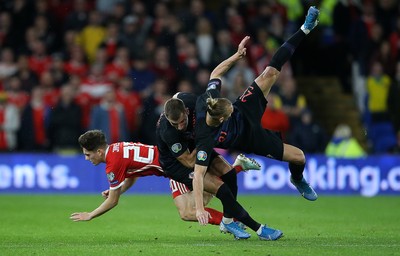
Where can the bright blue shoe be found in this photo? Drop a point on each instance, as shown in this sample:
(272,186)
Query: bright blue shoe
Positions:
(270,234)
(305,189)
(234,229)
(311,20)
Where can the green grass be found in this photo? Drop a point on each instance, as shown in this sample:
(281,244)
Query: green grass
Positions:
(149,225)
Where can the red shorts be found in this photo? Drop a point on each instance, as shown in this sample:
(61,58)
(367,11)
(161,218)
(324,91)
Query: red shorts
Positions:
(177,188)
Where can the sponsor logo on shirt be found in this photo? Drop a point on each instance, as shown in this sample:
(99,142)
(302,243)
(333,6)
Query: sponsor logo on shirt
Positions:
(176,147)
(201,155)
(110,176)
(212,86)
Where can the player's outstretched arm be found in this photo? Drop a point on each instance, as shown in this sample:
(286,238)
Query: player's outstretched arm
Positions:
(224,66)
(201,214)
(128,182)
(107,205)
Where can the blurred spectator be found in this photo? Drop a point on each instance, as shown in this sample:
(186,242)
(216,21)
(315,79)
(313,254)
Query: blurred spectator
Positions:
(8,66)
(6,38)
(96,84)
(76,64)
(153,106)
(15,94)
(109,116)
(308,135)
(343,144)
(293,102)
(111,40)
(65,123)
(57,71)
(9,124)
(393,99)
(204,41)
(243,69)
(42,29)
(132,103)
(189,67)
(92,35)
(378,85)
(39,61)
(28,78)
(141,75)
(162,67)
(21,19)
(274,118)
(50,92)
(119,67)
(394,40)
(77,19)
(224,47)
(32,134)
(133,36)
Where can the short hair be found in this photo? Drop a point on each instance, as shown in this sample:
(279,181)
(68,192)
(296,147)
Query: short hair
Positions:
(92,140)
(174,108)
(218,107)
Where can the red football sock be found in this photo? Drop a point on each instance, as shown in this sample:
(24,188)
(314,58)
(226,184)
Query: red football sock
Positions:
(216,216)
(238,168)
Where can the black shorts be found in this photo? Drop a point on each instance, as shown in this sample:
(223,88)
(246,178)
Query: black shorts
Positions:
(256,139)
(183,174)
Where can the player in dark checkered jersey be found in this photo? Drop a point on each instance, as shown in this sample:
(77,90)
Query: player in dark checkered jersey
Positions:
(219,123)
(128,161)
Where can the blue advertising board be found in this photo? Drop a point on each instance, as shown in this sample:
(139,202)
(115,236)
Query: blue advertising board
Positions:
(50,173)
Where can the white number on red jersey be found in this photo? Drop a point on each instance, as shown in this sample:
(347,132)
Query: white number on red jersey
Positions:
(127,146)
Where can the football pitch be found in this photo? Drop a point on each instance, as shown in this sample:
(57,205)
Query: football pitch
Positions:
(150,225)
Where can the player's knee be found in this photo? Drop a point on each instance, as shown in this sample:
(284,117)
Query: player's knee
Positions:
(299,158)
(186,215)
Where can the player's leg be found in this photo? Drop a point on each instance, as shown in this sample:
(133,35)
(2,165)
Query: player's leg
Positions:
(184,202)
(231,207)
(268,77)
(296,159)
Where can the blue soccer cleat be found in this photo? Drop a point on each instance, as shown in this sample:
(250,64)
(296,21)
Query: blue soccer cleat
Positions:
(246,163)
(311,20)
(270,234)
(305,189)
(234,229)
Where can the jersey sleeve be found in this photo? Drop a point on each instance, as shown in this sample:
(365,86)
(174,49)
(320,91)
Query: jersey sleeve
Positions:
(176,144)
(115,170)
(214,85)
(204,144)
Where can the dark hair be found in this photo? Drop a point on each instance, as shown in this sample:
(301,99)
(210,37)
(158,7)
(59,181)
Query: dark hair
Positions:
(92,140)
(174,108)
(218,107)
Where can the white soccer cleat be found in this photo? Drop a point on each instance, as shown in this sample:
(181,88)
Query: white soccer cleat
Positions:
(246,163)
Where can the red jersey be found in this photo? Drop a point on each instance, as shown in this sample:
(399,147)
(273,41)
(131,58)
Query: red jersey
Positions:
(129,159)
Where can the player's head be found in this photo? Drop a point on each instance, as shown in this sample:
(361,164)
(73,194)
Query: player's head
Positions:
(219,109)
(94,145)
(176,113)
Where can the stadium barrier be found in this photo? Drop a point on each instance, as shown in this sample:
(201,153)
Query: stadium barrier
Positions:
(54,174)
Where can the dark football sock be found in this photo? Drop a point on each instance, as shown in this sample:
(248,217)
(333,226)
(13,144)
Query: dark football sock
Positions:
(230,179)
(296,171)
(233,209)
(286,50)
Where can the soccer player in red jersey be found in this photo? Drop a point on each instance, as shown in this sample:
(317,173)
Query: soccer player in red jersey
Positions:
(128,161)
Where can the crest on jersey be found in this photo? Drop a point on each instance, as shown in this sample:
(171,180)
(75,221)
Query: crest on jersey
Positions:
(176,147)
(110,176)
(201,155)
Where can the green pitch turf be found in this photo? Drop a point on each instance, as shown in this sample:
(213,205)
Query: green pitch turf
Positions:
(149,225)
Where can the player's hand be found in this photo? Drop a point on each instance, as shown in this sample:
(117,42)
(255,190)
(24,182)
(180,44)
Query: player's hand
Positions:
(80,216)
(105,193)
(242,46)
(203,216)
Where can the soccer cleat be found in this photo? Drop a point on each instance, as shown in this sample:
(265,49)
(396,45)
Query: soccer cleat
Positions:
(311,20)
(234,229)
(246,163)
(270,234)
(305,189)
(224,230)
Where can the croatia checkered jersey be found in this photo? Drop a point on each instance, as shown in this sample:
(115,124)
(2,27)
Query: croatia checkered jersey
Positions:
(129,159)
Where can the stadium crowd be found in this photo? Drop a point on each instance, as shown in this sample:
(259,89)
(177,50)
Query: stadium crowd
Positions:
(73,65)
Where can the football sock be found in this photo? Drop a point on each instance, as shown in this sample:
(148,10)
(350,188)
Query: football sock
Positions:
(230,179)
(216,216)
(238,168)
(233,208)
(286,50)
(227,220)
(296,171)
